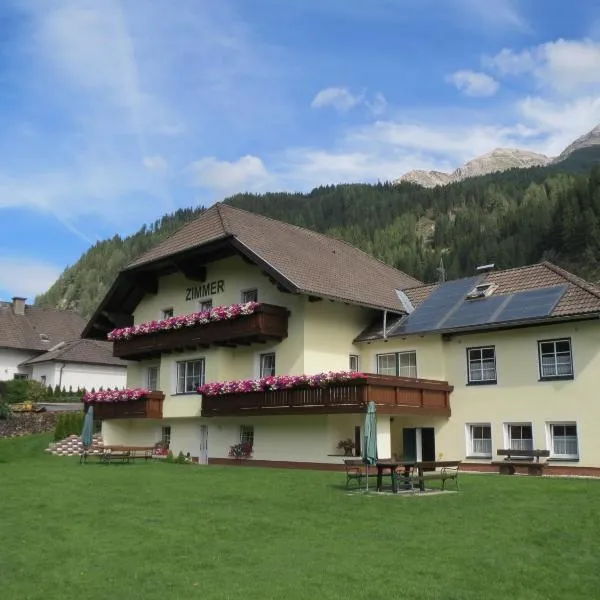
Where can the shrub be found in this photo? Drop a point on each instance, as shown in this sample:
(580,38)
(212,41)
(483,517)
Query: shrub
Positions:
(5,410)
(180,458)
(170,457)
(68,424)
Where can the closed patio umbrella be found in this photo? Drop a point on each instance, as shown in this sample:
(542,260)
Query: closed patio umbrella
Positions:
(370,438)
(87,432)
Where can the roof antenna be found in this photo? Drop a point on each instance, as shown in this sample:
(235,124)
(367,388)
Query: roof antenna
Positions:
(442,271)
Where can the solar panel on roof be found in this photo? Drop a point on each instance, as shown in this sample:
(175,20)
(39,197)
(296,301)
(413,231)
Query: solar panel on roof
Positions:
(532,304)
(439,303)
(447,307)
(474,312)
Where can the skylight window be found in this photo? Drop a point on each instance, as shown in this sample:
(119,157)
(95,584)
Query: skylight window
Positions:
(481,290)
(44,337)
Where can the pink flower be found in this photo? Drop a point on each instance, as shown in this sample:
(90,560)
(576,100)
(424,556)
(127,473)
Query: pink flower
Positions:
(277,382)
(125,395)
(219,313)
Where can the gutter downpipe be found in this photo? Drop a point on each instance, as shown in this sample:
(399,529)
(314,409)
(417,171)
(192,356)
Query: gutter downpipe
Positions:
(60,376)
(385,325)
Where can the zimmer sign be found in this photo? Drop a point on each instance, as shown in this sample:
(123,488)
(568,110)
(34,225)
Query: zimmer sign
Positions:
(204,290)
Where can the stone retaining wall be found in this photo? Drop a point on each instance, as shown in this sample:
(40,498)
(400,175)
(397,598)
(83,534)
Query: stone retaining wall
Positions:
(27,424)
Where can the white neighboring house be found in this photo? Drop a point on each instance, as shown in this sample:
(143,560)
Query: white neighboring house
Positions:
(44,344)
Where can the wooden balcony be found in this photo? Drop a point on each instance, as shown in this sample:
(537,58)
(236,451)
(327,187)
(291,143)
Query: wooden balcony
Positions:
(392,395)
(150,407)
(268,323)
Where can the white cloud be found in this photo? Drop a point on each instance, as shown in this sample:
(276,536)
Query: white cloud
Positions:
(246,174)
(155,163)
(563,65)
(496,14)
(472,83)
(377,105)
(27,277)
(337,97)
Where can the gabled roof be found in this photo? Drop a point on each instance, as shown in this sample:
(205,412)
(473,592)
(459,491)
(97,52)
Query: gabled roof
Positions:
(29,330)
(91,352)
(308,262)
(580,297)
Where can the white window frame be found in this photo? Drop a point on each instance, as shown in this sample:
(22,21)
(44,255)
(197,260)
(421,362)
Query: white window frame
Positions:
(550,435)
(481,361)
(556,355)
(399,370)
(165,434)
(186,376)
(471,441)
(43,379)
(205,304)
(354,358)
(167,313)
(520,445)
(147,377)
(249,291)
(247,434)
(261,364)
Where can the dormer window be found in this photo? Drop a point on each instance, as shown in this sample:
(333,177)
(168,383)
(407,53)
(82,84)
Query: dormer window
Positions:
(482,290)
(44,338)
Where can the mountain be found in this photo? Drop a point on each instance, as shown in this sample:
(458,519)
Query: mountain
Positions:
(511,218)
(591,138)
(499,160)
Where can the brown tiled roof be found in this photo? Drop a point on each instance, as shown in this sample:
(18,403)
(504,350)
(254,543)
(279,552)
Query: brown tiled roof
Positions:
(315,264)
(580,297)
(24,332)
(81,351)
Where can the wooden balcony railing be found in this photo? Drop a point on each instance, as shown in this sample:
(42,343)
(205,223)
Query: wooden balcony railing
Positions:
(150,407)
(268,323)
(392,395)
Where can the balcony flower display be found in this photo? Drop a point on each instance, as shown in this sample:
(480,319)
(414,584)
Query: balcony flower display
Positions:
(115,395)
(219,313)
(277,382)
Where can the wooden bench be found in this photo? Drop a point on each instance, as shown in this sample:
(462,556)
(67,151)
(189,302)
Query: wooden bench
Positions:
(116,453)
(356,470)
(443,470)
(522,458)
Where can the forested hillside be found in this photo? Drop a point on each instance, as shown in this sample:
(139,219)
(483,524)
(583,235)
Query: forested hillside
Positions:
(513,218)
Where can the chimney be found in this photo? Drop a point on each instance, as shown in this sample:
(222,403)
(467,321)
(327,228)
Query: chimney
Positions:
(18,305)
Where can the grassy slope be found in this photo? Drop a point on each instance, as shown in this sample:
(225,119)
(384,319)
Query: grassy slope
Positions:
(156,531)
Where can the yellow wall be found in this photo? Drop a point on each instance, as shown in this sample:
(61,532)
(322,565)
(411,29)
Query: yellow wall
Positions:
(518,397)
(319,338)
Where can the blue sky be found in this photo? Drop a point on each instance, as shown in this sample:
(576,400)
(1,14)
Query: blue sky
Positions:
(115,112)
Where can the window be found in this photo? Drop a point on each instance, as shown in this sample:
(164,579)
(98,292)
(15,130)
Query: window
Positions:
(482,290)
(43,380)
(480,440)
(205,304)
(247,434)
(20,376)
(556,360)
(401,363)
(152,378)
(354,362)
(190,375)
(563,439)
(167,313)
(520,437)
(267,365)
(482,365)
(407,364)
(386,364)
(250,296)
(165,435)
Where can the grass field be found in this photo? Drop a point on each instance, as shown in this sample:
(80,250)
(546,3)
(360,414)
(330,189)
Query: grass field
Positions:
(158,531)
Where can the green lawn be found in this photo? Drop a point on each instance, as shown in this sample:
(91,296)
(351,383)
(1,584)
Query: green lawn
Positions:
(158,531)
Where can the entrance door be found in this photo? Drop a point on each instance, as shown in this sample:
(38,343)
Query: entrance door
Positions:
(409,444)
(203,455)
(428,443)
(418,443)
